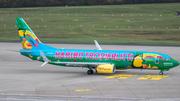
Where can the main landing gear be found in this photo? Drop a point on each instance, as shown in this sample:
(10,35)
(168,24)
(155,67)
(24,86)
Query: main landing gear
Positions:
(89,72)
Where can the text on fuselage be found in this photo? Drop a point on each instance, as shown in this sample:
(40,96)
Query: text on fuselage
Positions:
(93,56)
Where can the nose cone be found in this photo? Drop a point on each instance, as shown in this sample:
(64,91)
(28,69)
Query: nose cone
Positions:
(175,63)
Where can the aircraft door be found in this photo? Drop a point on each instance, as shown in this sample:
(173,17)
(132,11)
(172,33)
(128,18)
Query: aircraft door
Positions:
(156,60)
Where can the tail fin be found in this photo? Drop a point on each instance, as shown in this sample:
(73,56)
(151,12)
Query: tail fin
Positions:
(28,39)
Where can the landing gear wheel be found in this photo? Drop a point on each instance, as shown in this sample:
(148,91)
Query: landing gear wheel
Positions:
(160,73)
(90,72)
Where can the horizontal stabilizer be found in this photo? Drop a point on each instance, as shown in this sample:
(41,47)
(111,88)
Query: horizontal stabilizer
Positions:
(26,51)
(46,60)
(44,64)
(17,51)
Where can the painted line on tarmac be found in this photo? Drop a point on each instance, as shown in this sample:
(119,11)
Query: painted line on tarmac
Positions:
(120,76)
(103,88)
(153,77)
(146,77)
(80,90)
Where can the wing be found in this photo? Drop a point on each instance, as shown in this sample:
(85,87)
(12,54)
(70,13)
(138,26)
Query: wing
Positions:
(97,45)
(91,64)
(78,64)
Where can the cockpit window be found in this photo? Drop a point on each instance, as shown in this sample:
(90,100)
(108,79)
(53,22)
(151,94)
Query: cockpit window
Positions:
(167,58)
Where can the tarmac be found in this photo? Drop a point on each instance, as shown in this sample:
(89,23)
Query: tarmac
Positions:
(22,79)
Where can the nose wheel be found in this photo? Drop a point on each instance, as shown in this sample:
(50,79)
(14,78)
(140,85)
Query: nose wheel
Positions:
(89,72)
(160,73)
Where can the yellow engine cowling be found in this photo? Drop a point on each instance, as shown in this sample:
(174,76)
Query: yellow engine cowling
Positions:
(107,68)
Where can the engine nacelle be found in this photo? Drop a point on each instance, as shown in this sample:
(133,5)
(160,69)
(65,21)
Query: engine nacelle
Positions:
(107,68)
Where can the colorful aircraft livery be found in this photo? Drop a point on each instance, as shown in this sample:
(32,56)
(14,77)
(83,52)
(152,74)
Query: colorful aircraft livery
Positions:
(102,61)
(28,38)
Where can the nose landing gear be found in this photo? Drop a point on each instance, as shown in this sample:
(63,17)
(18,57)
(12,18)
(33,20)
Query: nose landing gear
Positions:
(160,73)
(162,70)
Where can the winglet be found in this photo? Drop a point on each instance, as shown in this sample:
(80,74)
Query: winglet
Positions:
(46,60)
(97,45)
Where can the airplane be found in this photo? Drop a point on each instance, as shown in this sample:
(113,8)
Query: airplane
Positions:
(102,61)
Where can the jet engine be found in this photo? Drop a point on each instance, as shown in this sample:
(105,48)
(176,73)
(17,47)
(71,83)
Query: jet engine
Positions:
(107,68)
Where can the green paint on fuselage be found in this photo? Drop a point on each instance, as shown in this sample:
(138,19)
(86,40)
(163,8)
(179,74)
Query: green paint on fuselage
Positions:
(137,61)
